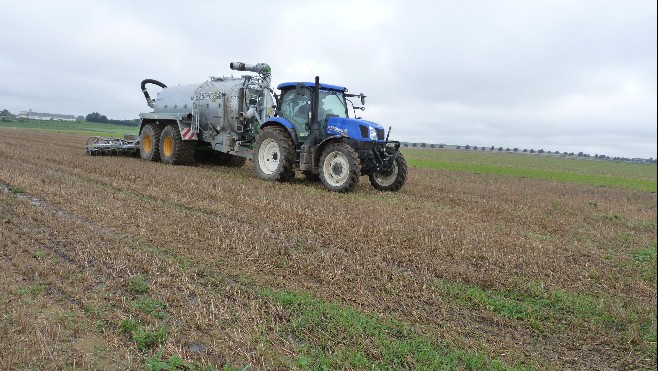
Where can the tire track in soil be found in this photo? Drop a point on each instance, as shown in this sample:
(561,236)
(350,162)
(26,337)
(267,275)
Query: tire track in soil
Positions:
(212,294)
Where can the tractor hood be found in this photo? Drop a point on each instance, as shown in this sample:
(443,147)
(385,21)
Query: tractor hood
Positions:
(357,129)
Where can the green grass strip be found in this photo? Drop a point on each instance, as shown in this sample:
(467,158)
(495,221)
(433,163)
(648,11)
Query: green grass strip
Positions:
(333,336)
(598,180)
(548,308)
(82,128)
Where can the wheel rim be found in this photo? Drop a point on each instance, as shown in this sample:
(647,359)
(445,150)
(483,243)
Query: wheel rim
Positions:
(386,180)
(148,146)
(336,168)
(269,156)
(168,146)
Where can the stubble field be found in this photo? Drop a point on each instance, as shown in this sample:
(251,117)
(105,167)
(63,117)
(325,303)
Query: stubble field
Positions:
(119,263)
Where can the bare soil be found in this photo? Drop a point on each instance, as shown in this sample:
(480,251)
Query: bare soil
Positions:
(75,229)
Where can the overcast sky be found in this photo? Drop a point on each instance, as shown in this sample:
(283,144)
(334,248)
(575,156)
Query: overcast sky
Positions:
(553,75)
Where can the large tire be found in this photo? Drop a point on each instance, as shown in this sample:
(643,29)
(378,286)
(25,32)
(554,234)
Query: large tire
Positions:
(149,142)
(274,154)
(173,149)
(393,181)
(340,167)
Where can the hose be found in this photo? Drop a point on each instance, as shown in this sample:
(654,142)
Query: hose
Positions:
(150,101)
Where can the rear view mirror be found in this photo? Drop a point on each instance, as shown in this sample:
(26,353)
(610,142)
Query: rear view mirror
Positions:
(299,89)
(363,99)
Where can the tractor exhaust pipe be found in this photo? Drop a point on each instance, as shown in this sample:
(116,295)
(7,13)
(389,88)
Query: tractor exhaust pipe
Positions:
(261,68)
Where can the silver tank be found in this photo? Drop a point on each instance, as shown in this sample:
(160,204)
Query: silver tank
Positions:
(216,101)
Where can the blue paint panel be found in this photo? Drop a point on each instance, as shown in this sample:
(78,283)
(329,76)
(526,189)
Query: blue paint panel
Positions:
(349,127)
(286,85)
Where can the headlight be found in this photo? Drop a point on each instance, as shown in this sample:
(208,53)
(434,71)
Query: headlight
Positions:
(373,133)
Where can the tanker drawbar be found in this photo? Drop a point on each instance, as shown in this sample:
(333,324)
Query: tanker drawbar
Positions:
(306,127)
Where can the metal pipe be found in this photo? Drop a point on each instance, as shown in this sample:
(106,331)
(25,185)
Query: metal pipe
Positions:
(262,68)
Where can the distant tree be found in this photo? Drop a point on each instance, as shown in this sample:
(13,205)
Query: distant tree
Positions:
(80,118)
(423,145)
(414,145)
(540,151)
(459,147)
(525,150)
(508,150)
(500,149)
(467,147)
(548,152)
(482,148)
(492,148)
(405,144)
(475,148)
(532,150)
(5,113)
(580,154)
(565,153)
(515,150)
(440,145)
(432,146)
(570,153)
(96,117)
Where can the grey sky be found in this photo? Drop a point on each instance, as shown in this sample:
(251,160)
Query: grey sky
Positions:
(553,75)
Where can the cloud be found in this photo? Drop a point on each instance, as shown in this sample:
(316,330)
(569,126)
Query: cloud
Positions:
(553,74)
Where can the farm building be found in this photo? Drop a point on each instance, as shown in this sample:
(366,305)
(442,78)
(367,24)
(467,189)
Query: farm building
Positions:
(45,116)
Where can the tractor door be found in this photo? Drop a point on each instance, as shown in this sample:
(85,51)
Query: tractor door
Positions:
(296,108)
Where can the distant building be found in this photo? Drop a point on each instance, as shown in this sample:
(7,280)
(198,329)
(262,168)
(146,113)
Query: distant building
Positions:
(30,115)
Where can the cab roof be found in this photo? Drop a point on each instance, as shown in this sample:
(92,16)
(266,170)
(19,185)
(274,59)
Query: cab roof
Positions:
(288,85)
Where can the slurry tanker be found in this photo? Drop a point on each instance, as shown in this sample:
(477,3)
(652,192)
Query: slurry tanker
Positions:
(304,127)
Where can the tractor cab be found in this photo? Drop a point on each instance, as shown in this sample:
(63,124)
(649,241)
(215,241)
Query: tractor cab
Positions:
(296,104)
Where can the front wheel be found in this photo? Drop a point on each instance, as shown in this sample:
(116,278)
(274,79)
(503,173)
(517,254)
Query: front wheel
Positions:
(340,167)
(274,154)
(393,180)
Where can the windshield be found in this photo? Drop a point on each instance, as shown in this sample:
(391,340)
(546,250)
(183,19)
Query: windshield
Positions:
(332,104)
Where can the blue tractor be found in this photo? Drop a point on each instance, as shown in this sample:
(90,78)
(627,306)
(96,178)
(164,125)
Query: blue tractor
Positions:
(305,127)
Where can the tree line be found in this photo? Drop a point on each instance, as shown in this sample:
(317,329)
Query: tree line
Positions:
(97,117)
(532,151)
(5,115)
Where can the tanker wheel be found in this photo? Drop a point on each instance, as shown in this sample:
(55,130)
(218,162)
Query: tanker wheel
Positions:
(340,167)
(393,180)
(173,149)
(149,142)
(274,154)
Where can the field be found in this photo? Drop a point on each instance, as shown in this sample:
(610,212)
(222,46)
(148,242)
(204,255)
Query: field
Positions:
(84,128)
(477,263)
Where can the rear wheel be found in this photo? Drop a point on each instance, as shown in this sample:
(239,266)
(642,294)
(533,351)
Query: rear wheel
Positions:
(149,142)
(340,167)
(173,149)
(393,180)
(274,154)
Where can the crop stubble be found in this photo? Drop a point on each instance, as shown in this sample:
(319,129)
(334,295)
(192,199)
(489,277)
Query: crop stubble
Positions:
(381,253)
